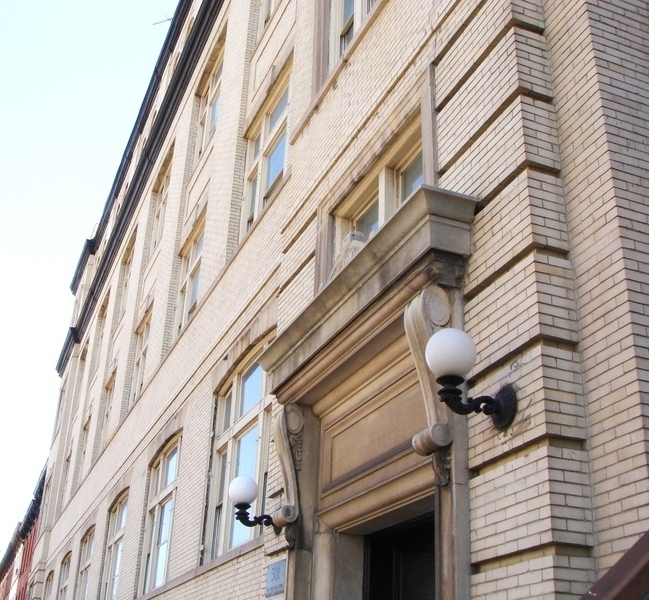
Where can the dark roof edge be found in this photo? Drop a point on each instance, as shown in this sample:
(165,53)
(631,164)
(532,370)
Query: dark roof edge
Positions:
(189,58)
(173,34)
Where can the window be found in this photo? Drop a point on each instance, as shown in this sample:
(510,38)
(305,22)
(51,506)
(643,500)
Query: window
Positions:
(64,576)
(99,334)
(160,509)
(127,264)
(266,160)
(67,472)
(268,7)
(141,346)
(345,19)
(49,584)
(85,436)
(190,279)
(108,408)
(240,443)
(411,177)
(380,193)
(87,544)
(114,543)
(160,198)
(209,108)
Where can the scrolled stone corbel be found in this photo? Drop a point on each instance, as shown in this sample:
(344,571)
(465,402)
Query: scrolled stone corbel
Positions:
(426,313)
(287,427)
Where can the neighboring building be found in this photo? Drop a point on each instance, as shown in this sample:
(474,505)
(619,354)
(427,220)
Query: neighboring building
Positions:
(310,190)
(16,564)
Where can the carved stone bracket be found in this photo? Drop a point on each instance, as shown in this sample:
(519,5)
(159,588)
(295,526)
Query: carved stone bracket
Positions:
(442,466)
(428,312)
(287,429)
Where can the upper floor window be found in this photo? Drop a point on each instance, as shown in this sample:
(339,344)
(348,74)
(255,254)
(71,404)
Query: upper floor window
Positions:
(240,448)
(64,577)
(84,443)
(125,277)
(109,397)
(141,347)
(189,279)
(345,20)
(160,514)
(114,544)
(87,545)
(209,107)
(384,188)
(160,197)
(267,9)
(266,163)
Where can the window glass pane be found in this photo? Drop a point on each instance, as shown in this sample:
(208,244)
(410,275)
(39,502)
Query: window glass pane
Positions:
(172,464)
(198,247)
(112,594)
(412,177)
(276,160)
(278,111)
(121,515)
(368,222)
(162,542)
(246,463)
(348,10)
(194,287)
(251,200)
(214,112)
(227,409)
(247,453)
(251,388)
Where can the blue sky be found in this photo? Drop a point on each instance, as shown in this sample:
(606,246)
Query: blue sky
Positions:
(73,74)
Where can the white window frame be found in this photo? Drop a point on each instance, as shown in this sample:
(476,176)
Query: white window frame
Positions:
(114,547)
(64,577)
(67,477)
(270,135)
(345,18)
(160,509)
(109,390)
(188,293)
(222,532)
(210,107)
(85,561)
(161,197)
(85,437)
(127,268)
(49,585)
(384,184)
(141,348)
(267,10)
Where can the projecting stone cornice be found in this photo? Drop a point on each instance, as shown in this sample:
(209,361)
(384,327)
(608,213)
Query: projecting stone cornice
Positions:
(426,240)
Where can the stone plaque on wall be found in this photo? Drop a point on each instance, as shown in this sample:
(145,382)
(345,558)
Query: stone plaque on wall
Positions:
(275,578)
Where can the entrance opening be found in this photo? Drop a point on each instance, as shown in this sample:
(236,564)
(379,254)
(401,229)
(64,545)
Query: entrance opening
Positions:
(400,562)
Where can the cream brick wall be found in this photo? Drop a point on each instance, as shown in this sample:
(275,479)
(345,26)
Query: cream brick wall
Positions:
(540,113)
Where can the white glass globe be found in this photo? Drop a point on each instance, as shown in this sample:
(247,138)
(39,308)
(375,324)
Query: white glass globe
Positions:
(450,352)
(243,490)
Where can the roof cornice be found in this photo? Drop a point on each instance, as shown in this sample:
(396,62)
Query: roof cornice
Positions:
(188,60)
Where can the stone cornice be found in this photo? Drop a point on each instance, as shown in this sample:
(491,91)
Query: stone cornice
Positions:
(426,239)
(188,60)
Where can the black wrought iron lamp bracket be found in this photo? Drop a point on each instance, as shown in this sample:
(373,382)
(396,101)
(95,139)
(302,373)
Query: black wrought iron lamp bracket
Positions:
(501,408)
(243,517)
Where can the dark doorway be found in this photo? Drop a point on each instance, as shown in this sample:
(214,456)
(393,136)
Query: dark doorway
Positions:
(400,562)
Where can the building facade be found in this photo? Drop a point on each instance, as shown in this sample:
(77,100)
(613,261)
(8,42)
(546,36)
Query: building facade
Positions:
(311,189)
